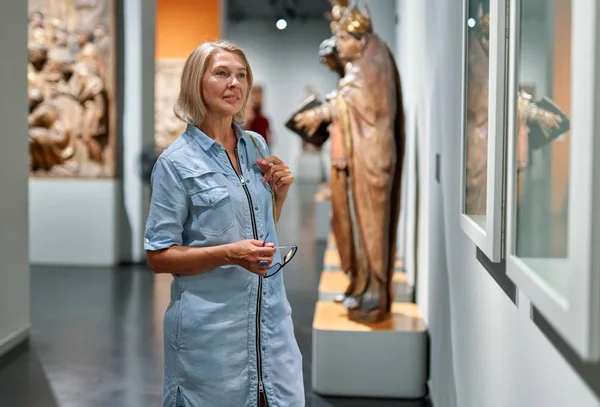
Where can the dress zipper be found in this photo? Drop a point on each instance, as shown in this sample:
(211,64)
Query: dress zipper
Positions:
(261,393)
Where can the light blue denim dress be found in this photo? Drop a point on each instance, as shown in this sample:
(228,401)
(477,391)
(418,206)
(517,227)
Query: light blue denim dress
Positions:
(228,333)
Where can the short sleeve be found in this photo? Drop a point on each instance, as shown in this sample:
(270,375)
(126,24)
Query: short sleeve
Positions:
(168,208)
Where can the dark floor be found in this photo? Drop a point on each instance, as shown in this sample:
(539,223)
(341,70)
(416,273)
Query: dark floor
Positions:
(96,339)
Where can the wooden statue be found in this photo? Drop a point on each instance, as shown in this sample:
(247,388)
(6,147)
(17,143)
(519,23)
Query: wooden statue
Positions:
(366,126)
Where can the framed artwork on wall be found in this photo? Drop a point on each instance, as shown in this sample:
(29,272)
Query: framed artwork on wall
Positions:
(71,88)
(483,123)
(555,262)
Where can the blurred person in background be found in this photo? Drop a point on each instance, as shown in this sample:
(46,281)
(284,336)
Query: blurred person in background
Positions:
(255,120)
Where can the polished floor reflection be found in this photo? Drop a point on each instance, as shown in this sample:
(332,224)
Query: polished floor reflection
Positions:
(96,338)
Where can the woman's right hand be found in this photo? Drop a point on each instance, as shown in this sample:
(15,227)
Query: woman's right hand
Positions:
(250,253)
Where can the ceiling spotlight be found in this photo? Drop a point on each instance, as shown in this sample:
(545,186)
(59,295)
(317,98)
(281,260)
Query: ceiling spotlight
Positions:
(281,23)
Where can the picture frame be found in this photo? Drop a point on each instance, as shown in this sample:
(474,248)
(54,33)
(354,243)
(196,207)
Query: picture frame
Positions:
(563,284)
(483,124)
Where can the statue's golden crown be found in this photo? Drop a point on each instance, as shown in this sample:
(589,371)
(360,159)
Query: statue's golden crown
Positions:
(338,7)
(355,22)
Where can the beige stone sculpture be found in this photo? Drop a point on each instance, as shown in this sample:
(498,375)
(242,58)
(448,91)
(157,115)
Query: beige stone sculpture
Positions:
(71,92)
(167,127)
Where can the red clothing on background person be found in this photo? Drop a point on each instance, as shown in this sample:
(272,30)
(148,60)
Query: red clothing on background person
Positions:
(260,125)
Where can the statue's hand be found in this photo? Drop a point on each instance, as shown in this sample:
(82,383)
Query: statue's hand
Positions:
(544,118)
(550,121)
(308,121)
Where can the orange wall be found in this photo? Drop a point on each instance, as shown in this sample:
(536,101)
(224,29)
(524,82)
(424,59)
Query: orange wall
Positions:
(183,24)
(561,149)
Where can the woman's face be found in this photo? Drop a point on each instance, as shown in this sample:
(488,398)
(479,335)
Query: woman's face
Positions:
(225,84)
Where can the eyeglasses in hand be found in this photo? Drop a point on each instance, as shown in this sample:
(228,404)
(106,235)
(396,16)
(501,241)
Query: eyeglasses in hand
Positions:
(286,253)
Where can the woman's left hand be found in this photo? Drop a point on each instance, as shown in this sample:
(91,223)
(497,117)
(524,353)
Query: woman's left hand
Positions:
(277,174)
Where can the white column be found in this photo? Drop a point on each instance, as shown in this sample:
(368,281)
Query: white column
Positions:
(138,121)
(14,173)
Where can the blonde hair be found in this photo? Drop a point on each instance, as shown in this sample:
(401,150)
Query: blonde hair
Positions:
(190,106)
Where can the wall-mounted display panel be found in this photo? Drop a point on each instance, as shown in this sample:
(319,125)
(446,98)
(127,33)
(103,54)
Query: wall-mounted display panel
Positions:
(71,88)
(553,165)
(483,123)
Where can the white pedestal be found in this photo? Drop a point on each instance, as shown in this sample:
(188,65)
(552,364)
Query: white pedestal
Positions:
(387,359)
(73,221)
(334,283)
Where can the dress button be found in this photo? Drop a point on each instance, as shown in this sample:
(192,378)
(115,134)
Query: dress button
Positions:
(253,377)
(263,320)
(147,240)
(265,292)
(266,376)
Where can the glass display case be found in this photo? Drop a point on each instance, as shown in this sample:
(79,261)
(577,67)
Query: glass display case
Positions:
(484,45)
(553,180)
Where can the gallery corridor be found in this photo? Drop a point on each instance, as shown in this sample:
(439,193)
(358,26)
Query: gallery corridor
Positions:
(478,119)
(96,339)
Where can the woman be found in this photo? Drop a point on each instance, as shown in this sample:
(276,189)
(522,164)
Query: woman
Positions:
(228,332)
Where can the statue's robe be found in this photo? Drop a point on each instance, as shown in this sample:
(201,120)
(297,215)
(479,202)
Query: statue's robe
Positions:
(367,152)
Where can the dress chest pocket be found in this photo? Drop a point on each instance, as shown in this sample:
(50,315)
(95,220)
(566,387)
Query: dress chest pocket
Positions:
(212,210)
(263,188)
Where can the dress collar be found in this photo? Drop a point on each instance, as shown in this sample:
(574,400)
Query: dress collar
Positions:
(206,142)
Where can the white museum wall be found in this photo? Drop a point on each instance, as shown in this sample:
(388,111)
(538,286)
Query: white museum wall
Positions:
(484,350)
(286,63)
(14,173)
(411,66)
(408,205)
